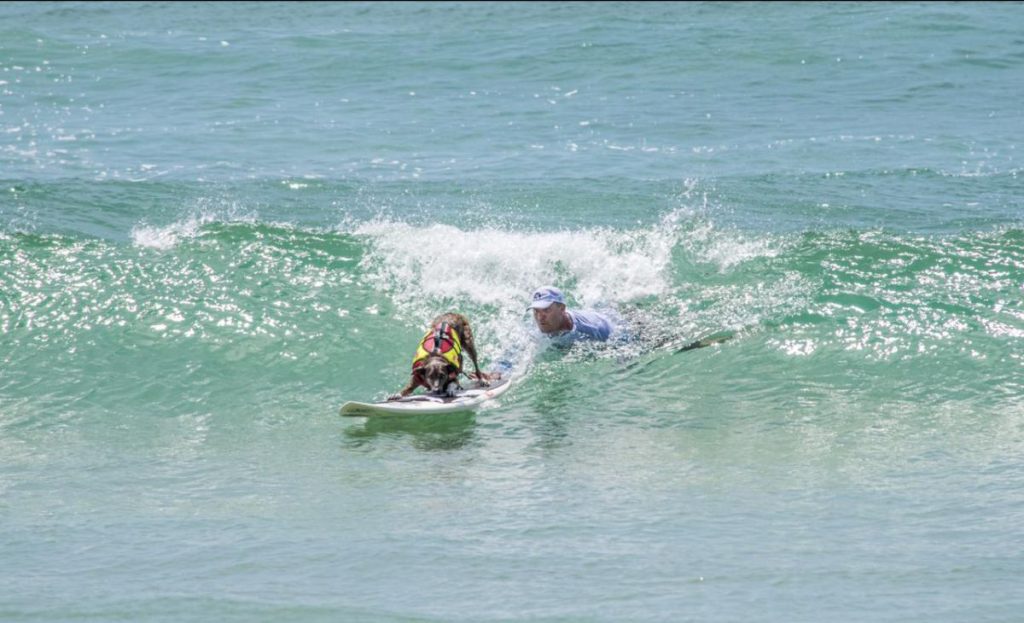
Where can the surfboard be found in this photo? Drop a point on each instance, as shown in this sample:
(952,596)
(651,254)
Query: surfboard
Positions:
(467,399)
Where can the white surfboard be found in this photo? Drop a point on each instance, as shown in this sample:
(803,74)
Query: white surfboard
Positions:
(468,399)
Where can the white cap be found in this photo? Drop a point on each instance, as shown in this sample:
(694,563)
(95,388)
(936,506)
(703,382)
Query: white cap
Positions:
(544,297)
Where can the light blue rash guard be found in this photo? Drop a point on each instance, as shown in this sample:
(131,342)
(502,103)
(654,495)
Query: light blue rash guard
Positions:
(589,324)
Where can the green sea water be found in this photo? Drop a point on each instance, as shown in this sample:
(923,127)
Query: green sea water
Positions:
(220,221)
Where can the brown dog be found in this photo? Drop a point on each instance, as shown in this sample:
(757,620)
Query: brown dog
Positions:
(438,360)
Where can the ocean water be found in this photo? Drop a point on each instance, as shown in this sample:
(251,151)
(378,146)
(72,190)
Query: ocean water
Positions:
(220,221)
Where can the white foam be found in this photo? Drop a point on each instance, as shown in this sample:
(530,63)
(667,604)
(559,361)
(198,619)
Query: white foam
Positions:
(727,253)
(726,249)
(500,268)
(164,238)
(168,236)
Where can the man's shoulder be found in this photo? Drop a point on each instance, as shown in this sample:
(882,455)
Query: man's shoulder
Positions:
(592,323)
(592,315)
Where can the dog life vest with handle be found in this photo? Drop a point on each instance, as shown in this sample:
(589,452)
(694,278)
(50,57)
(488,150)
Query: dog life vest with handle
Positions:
(444,341)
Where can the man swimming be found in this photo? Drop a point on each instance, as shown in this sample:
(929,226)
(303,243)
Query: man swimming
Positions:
(556,321)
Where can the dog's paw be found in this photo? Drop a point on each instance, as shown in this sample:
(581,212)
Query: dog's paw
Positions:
(452,390)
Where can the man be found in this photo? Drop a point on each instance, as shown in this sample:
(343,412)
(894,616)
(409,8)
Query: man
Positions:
(554,320)
(563,325)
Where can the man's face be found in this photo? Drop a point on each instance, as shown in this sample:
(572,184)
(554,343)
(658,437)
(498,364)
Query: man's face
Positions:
(549,320)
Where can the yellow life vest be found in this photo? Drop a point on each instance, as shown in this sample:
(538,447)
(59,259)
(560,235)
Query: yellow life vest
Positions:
(444,341)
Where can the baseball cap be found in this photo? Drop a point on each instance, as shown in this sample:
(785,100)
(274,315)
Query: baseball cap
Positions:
(544,297)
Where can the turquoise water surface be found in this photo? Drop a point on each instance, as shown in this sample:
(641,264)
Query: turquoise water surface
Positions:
(220,221)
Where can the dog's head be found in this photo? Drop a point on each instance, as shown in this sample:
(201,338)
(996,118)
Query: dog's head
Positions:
(436,373)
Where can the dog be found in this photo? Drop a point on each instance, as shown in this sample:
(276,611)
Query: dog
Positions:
(438,360)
